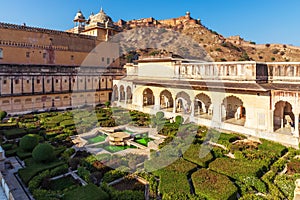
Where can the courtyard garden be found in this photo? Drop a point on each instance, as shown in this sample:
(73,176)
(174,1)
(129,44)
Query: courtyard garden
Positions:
(193,162)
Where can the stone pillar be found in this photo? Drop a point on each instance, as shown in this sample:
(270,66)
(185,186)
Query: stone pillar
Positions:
(174,105)
(297,190)
(126,96)
(192,109)
(119,95)
(157,102)
(296,122)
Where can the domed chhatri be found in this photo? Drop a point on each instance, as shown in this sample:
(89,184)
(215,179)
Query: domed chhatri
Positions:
(100,17)
(79,17)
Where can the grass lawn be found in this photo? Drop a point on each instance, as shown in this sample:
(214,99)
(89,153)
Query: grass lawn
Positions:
(89,192)
(113,149)
(98,138)
(143,141)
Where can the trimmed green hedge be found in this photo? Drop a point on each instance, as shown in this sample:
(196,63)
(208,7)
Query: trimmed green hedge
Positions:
(67,123)
(286,184)
(242,170)
(86,192)
(273,190)
(199,154)
(213,185)
(34,168)
(237,169)
(14,133)
(173,182)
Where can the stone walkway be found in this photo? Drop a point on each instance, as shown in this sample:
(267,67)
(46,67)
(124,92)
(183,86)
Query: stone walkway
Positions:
(15,185)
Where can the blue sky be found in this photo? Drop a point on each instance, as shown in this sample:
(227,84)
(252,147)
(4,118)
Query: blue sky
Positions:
(262,21)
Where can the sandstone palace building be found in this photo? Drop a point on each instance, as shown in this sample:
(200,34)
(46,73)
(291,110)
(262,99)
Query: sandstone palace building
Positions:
(256,99)
(41,68)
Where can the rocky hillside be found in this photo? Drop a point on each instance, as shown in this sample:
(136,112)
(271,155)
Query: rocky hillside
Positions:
(217,46)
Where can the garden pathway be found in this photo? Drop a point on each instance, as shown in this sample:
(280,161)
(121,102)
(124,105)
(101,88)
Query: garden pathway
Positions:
(15,185)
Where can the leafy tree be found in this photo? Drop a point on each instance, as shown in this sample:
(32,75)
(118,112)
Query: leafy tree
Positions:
(43,153)
(28,142)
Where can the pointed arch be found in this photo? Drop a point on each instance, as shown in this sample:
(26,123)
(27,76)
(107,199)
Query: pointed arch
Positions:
(148,97)
(283,116)
(166,99)
(233,110)
(115,96)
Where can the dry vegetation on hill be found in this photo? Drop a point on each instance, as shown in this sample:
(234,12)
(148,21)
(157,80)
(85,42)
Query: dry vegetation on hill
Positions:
(220,48)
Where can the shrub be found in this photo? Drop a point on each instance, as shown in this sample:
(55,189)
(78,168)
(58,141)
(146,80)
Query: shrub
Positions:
(252,197)
(273,58)
(179,120)
(43,153)
(279,165)
(268,45)
(28,142)
(213,185)
(113,175)
(219,49)
(286,184)
(36,181)
(268,178)
(3,114)
(293,167)
(84,174)
(275,51)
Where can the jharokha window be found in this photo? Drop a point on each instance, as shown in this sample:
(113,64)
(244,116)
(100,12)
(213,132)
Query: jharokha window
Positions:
(1,53)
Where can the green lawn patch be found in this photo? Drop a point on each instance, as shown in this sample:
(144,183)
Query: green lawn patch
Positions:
(89,192)
(213,185)
(143,141)
(98,138)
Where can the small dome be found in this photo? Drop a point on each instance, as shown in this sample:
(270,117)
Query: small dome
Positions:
(101,17)
(79,16)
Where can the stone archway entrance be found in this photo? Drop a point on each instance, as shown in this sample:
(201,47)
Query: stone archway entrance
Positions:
(183,103)
(166,100)
(283,117)
(203,105)
(148,97)
(233,111)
